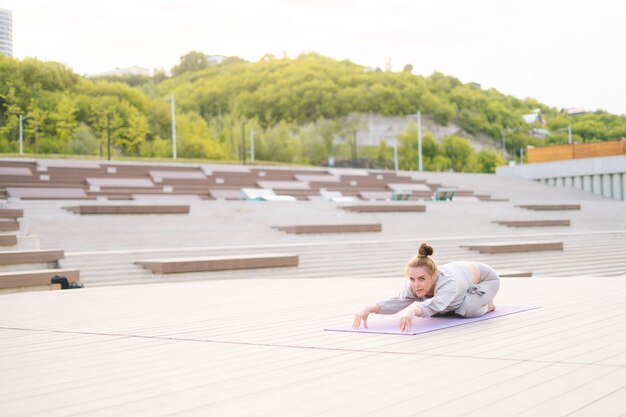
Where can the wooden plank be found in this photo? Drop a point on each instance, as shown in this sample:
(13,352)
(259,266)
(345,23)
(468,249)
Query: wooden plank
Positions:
(380,208)
(532,223)
(218,263)
(8,240)
(30,256)
(331,228)
(129,209)
(47,193)
(512,273)
(375,195)
(11,213)
(19,279)
(550,153)
(599,149)
(510,247)
(9,225)
(545,207)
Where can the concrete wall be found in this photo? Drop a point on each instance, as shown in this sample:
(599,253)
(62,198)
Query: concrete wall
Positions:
(603,176)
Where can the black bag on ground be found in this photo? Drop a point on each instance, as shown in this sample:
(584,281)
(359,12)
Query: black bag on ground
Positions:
(58,279)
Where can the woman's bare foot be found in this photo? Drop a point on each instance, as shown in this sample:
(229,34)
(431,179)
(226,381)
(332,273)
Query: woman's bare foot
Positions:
(491,307)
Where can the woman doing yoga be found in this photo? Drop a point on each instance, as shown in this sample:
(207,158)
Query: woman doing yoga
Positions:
(463,288)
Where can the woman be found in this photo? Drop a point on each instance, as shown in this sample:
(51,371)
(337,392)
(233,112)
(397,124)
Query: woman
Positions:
(465,288)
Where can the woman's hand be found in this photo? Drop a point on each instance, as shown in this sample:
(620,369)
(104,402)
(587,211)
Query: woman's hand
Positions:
(363,314)
(406,320)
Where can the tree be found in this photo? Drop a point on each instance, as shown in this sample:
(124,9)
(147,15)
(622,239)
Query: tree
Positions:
(488,160)
(460,152)
(192,61)
(64,119)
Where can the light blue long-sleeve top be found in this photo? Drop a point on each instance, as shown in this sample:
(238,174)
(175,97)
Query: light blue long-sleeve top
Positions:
(451,288)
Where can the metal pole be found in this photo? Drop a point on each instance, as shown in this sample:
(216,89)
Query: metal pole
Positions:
(503,146)
(109,135)
(173,127)
(243,142)
(395,154)
(21,135)
(521,155)
(569,133)
(252,145)
(419,139)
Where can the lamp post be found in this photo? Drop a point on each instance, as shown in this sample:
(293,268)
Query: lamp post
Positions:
(419,140)
(173,126)
(251,145)
(109,136)
(22,118)
(569,133)
(243,143)
(395,154)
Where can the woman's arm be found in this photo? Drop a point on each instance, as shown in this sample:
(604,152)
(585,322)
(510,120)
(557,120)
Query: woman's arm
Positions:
(363,314)
(389,306)
(406,321)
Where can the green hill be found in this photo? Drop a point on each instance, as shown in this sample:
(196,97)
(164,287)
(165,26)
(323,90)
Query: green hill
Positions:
(296,107)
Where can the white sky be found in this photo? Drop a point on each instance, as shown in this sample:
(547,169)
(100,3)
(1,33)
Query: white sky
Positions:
(565,53)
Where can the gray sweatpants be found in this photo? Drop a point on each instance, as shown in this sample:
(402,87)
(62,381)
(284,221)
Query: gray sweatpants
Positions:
(480,295)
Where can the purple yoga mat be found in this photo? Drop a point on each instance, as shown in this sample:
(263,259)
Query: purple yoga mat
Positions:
(389,324)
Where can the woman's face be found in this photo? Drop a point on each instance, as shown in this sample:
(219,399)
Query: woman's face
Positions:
(422,283)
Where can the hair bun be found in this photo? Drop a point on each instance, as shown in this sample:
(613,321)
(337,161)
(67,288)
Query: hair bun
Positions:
(425,250)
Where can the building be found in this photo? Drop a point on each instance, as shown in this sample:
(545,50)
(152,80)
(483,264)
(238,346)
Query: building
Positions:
(118,72)
(215,59)
(6,32)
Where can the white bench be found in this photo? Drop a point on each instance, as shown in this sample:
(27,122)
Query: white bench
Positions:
(263,194)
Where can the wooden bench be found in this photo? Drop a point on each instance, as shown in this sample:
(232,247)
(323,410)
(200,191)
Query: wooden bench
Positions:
(48,193)
(9,225)
(8,240)
(382,208)
(510,247)
(512,273)
(532,223)
(375,195)
(30,256)
(129,209)
(42,277)
(218,263)
(331,228)
(544,207)
(11,213)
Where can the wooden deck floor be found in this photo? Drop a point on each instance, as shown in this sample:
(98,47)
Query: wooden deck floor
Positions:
(251,343)
(257,348)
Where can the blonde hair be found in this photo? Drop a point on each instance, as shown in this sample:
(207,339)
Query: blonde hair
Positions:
(424,258)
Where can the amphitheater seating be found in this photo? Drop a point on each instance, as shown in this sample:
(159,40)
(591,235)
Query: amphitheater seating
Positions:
(509,247)
(512,273)
(30,257)
(9,225)
(331,228)
(545,207)
(11,213)
(218,263)
(105,180)
(8,240)
(384,208)
(532,223)
(129,209)
(37,278)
